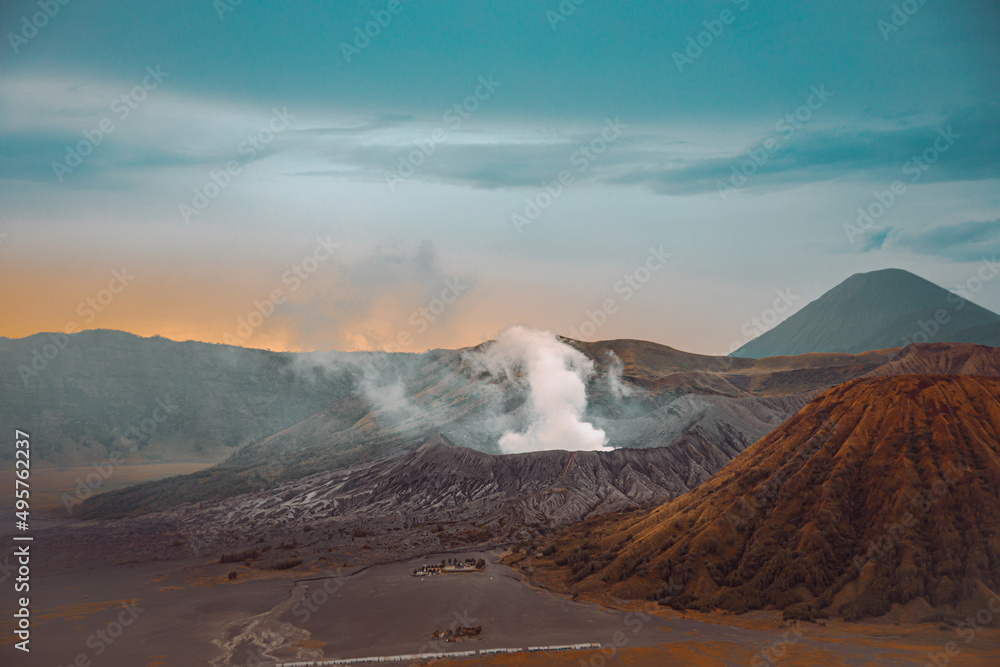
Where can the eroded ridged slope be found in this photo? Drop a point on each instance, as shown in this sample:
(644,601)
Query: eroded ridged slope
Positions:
(880,491)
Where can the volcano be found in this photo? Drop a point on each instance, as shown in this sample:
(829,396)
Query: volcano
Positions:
(881,495)
(877,310)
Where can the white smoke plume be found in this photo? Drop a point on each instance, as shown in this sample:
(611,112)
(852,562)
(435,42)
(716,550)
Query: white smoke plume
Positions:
(556,376)
(616,368)
(381,377)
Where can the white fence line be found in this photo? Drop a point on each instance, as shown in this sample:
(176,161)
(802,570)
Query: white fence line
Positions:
(429,656)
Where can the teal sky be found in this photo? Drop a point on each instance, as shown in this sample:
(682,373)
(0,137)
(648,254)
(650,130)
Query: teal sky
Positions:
(646,127)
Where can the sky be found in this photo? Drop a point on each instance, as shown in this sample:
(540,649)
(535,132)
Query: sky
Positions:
(412,174)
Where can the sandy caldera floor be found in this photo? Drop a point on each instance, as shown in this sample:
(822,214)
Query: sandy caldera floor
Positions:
(188,613)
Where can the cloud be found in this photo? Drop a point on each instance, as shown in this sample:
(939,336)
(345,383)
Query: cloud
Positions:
(379,122)
(490,158)
(874,240)
(397,293)
(961,235)
(964,241)
(45,114)
(556,375)
(823,154)
(656,160)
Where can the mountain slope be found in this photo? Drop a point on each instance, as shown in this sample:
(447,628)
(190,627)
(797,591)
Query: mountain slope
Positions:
(93,398)
(942,359)
(468,496)
(881,492)
(108,393)
(707,409)
(877,310)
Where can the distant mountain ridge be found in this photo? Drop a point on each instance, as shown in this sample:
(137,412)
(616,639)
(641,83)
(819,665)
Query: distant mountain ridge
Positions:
(942,359)
(871,311)
(704,409)
(98,394)
(97,397)
(280,416)
(703,415)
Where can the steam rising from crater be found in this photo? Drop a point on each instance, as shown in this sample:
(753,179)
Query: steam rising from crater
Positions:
(556,376)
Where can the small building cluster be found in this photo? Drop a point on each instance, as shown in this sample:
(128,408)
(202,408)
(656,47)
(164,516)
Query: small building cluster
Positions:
(450,565)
